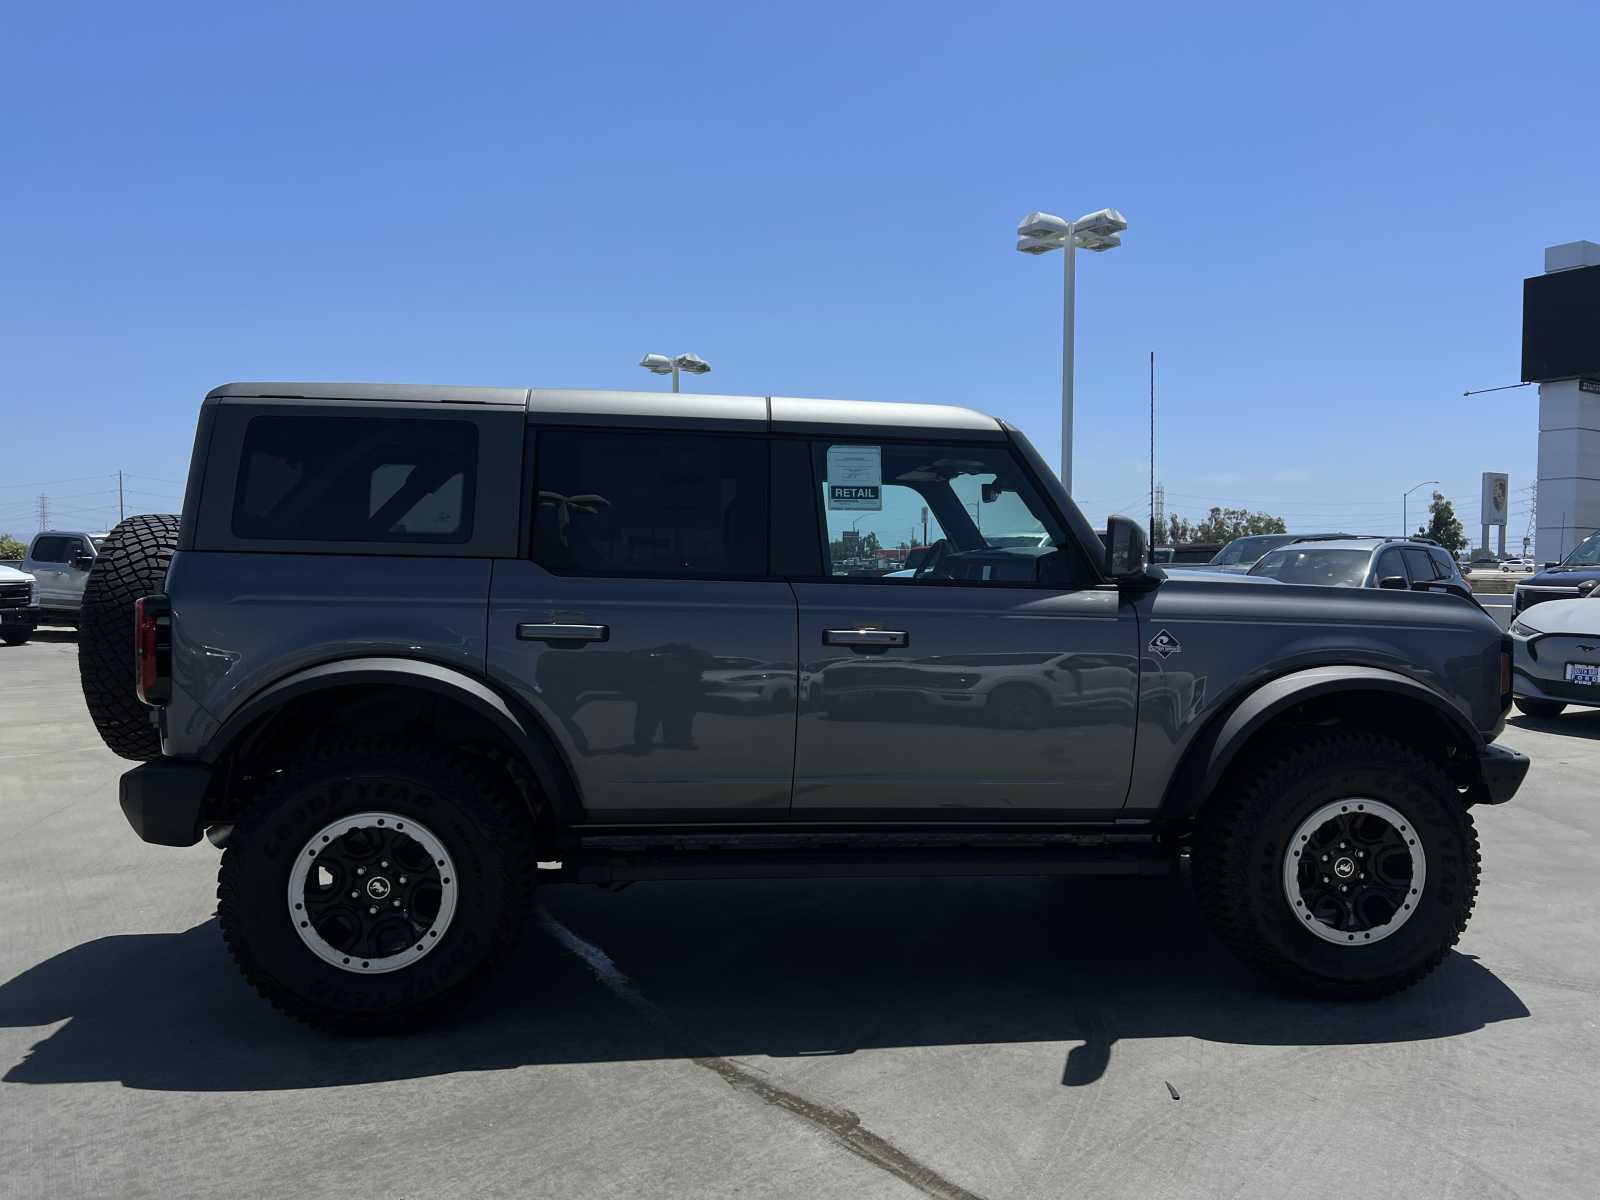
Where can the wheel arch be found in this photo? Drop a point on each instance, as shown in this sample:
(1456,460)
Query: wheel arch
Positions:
(1355,696)
(470,698)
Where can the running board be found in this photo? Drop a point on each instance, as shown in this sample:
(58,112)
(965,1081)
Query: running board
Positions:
(598,865)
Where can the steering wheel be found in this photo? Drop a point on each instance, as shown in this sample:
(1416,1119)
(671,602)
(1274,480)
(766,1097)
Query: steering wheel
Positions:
(936,555)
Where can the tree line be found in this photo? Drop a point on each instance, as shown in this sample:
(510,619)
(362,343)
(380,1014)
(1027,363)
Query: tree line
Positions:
(1222,525)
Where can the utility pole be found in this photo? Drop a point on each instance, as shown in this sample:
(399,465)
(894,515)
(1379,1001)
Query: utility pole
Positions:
(44,512)
(1154,536)
(120,513)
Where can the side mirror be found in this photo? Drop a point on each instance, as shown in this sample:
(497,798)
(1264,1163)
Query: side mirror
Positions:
(1127,551)
(1395,583)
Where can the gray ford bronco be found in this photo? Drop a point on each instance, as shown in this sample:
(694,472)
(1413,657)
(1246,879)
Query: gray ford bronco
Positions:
(411,650)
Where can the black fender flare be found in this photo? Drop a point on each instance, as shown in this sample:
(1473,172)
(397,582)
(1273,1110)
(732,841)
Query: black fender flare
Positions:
(1217,748)
(522,729)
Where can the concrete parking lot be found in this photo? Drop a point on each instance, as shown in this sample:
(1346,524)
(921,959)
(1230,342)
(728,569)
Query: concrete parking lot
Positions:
(966,1038)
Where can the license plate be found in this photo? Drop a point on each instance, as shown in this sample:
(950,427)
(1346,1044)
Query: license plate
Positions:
(1585,673)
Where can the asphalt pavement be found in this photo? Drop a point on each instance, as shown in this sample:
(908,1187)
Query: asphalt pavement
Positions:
(945,1038)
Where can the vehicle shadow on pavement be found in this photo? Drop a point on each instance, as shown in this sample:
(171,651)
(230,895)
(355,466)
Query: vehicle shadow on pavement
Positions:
(727,969)
(1577,722)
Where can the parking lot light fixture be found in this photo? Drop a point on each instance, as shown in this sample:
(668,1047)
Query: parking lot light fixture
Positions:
(1042,232)
(660,364)
(1405,525)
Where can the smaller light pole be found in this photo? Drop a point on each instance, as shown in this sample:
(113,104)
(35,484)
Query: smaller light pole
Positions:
(1405,524)
(660,364)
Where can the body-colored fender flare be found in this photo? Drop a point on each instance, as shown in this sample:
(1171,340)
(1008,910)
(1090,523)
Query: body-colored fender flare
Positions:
(522,729)
(1220,747)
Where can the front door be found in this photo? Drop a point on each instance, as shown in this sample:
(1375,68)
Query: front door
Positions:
(643,628)
(960,657)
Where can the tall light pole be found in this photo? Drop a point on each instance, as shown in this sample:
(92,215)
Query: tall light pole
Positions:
(1405,524)
(660,364)
(1040,233)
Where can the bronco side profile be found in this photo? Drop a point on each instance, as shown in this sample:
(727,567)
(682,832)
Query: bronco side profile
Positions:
(411,650)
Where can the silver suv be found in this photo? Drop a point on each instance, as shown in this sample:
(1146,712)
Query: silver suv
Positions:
(412,650)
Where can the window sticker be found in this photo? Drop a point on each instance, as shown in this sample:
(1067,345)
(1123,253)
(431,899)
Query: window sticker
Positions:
(855,478)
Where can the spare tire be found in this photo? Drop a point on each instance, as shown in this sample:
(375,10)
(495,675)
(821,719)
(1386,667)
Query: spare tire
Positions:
(132,563)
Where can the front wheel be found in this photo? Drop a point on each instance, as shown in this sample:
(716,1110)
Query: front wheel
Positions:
(17,639)
(372,888)
(1345,866)
(1539,708)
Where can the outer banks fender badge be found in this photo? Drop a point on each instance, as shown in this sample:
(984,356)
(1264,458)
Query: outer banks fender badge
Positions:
(1164,645)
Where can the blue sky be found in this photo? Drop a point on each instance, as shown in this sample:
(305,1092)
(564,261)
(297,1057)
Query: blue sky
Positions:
(1331,208)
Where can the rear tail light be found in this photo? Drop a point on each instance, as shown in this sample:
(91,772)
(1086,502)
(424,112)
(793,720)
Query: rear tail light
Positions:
(152,649)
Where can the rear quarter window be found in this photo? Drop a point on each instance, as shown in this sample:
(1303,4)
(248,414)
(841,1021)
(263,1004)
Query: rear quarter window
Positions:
(356,479)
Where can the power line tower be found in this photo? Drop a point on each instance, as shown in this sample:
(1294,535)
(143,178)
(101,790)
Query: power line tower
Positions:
(1159,521)
(1533,519)
(44,512)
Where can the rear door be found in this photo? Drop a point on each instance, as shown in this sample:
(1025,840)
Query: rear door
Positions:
(643,625)
(995,678)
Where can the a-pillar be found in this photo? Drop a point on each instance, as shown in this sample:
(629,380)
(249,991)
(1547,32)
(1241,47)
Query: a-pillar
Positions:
(1569,441)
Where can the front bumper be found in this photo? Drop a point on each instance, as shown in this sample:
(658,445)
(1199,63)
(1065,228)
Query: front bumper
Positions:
(164,800)
(1538,670)
(19,618)
(1501,771)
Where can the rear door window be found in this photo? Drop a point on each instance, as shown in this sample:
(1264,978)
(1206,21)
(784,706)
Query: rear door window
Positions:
(1419,564)
(1390,564)
(356,479)
(661,504)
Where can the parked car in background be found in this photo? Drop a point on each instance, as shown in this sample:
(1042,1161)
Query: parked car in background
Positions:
(1574,576)
(59,560)
(1242,553)
(1403,564)
(19,611)
(1556,656)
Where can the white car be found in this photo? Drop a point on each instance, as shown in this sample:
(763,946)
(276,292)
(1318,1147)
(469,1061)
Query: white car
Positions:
(1556,656)
(1523,566)
(19,606)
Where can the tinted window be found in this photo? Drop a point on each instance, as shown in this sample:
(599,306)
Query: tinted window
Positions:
(1418,563)
(356,479)
(1245,550)
(651,504)
(932,514)
(49,550)
(1389,565)
(1586,553)
(1444,566)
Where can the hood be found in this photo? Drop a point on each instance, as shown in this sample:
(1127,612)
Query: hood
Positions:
(1563,616)
(1562,576)
(12,575)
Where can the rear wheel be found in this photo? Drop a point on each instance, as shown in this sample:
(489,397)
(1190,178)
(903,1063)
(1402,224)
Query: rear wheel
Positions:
(372,888)
(1345,866)
(17,639)
(1539,708)
(131,564)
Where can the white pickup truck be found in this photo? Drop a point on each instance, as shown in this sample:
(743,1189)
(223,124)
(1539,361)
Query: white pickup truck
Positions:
(59,561)
(19,606)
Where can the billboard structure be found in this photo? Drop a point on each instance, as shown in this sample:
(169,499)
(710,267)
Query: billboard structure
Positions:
(1493,506)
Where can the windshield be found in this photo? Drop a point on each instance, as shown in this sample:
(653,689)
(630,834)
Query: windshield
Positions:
(1587,553)
(1329,568)
(1245,550)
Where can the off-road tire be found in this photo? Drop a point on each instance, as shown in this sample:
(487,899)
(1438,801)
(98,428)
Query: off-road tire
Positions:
(1539,709)
(132,563)
(1242,837)
(484,827)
